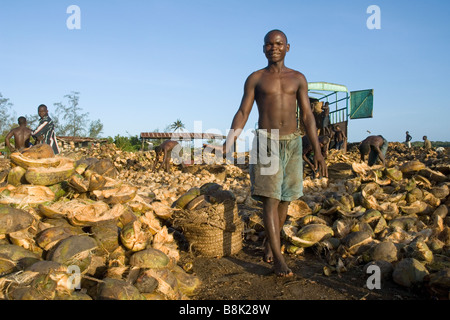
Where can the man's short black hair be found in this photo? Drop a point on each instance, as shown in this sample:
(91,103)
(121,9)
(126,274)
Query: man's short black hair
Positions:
(43,106)
(158,149)
(22,120)
(277,30)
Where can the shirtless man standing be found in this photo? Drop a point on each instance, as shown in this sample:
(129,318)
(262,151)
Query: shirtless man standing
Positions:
(21,135)
(277,90)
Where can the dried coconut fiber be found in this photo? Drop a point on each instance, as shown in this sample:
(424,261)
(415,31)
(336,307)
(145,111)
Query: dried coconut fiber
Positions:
(213,231)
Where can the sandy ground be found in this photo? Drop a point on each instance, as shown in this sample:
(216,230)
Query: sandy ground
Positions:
(245,276)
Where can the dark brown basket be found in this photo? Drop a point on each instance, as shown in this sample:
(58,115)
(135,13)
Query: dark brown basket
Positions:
(214,231)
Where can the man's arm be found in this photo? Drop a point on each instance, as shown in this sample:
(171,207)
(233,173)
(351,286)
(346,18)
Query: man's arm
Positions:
(7,142)
(241,116)
(310,126)
(380,154)
(40,131)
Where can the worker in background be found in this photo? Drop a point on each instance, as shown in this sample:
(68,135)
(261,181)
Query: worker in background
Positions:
(427,144)
(408,140)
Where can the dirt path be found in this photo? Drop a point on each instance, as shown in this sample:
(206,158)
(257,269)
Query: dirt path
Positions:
(245,276)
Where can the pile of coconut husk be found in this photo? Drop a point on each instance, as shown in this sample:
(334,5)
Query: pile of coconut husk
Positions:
(72,229)
(110,217)
(393,216)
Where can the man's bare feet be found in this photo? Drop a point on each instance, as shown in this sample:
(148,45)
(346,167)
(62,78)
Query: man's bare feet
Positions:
(268,255)
(282,270)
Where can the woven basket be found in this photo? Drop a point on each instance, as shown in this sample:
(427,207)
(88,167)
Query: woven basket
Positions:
(214,231)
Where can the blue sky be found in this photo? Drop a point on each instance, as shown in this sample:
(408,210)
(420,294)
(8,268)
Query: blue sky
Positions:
(140,65)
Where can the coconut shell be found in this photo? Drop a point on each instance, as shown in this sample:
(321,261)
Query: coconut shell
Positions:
(167,283)
(104,167)
(133,237)
(356,242)
(120,194)
(412,167)
(115,289)
(28,195)
(187,283)
(210,188)
(48,238)
(298,209)
(149,258)
(161,210)
(385,251)
(12,220)
(409,272)
(51,211)
(440,192)
(16,176)
(79,183)
(308,235)
(419,250)
(107,235)
(414,208)
(315,233)
(198,202)
(6,265)
(145,283)
(86,213)
(96,181)
(21,160)
(39,151)
(74,250)
(50,176)
(42,287)
(47,267)
(17,253)
(187,197)
(433,175)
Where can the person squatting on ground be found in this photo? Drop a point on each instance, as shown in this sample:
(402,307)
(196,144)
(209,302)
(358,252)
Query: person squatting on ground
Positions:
(277,173)
(21,134)
(307,151)
(426,143)
(45,132)
(376,147)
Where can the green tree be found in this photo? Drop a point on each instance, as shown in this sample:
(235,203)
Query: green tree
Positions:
(95,128)
(71,121)
(130,143)
(7,120)
(177,125)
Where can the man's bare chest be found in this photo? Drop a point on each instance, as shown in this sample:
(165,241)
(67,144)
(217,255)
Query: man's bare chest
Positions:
(277,85)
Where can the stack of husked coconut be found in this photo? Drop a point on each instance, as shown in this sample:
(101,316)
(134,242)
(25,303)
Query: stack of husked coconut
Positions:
(395,217)
(108,212)
(72,229)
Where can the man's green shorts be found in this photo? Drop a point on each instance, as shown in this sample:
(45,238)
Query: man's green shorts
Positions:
(276,166)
